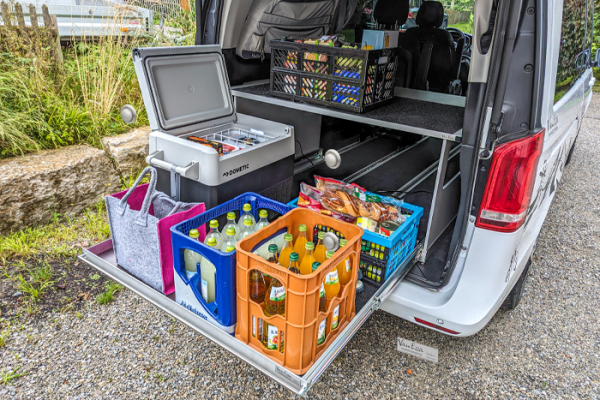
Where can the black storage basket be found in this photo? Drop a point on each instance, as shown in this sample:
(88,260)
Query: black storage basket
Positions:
(350,79)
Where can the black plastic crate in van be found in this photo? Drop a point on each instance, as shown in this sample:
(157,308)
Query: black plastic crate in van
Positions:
(350,79)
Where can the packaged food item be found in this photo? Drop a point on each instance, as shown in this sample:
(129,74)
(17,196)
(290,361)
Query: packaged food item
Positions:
(387,228)
(210,143)
(311,198)
(367,224)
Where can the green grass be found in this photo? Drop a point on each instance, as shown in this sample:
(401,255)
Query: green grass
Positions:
(7,376)
(110,289)
(4,334)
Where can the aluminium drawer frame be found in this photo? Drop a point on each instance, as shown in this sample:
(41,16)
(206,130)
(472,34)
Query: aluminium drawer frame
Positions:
(101,257)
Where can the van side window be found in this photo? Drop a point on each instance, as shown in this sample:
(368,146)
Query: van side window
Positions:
(572,40)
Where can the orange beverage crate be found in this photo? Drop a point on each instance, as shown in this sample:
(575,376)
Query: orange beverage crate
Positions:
(302,317)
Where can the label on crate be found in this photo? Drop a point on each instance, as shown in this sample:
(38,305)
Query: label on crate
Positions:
(277,293)
(335,317)
(322,292)
(204,290)
(321,337)
(332,277)
(272,337)
(348,266)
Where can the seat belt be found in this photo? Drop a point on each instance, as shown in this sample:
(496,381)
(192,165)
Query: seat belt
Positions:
(423,67)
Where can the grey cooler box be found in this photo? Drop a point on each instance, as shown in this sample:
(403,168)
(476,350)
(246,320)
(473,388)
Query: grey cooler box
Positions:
(186,92)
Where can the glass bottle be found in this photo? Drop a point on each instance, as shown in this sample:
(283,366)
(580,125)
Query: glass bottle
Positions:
(230,239)
(273,254)
(190,257)
(344,268)
(207,276)
(214,232)
(246,215)
(288,249)
(320,249)
(294,266)
(322,295)
(258,287)
(263,221)
(300,241)
(248,229)
(274,305)
(332,281)
(308,259)
(230,224)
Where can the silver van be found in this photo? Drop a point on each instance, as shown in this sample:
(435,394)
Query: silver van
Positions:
(478,135)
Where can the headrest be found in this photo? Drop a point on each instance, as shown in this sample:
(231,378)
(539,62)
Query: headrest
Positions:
(430,15)
(391,12)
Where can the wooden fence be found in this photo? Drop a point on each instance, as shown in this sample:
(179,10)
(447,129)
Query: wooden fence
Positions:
(31,38)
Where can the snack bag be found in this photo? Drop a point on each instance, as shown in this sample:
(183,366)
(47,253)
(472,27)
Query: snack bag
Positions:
(312,198)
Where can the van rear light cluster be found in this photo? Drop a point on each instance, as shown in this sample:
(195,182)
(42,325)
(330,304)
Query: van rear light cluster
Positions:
(434,326)
(510,183)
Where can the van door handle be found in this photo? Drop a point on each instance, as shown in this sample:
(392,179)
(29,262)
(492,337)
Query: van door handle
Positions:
(191,171)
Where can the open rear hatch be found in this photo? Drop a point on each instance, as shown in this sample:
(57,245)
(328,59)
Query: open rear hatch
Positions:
(102,257)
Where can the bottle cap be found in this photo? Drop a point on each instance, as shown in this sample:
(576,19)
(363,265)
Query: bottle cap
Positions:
(213,223)
(212,242)
(343,242)
(316,265)
(288,237)
(194,233)
(329,254)
(321,235)
(294,257)
(231,215)
(309,246)
(229,249)
(248,222)
(273,248)
(302,228)
(263,214)
(247,207)
(230,231)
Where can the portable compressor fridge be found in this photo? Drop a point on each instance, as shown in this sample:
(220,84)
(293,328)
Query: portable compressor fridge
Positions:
(187,94)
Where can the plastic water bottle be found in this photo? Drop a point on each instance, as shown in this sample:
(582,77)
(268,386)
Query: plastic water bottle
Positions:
(263,221)
(246,214)
(230,239)
(207,276)
(230,224)
(190,257)
(214,232)
(248,229)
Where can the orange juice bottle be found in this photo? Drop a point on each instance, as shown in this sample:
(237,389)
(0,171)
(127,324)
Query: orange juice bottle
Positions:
(344,268)
(288,248)
(332,281)
(308,259)
(322,296)
(300,241)
(320,249)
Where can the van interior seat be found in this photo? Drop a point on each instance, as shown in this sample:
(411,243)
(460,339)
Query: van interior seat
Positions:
(391,14)
(437,49)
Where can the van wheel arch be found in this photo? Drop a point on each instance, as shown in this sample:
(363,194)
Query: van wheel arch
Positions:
(513,298)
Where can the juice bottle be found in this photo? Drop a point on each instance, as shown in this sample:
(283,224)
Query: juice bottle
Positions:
(274,304)
(248,229)
(246,215)
(230,239)
(190,257)
(273,254)
(332,281)
(207,276)
(320,249)
(231,224)
(322,295)
(308,259)
(284,256)
(214,232)
(263,221)
(300,241)
(344,268)
(294,266)
(258,287)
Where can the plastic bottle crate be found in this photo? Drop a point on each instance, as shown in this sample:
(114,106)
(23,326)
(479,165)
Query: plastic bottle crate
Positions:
(384,254)
(298,328)
(221,312)
(350,79)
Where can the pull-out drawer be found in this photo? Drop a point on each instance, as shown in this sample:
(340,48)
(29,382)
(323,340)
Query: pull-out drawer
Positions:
(102,257)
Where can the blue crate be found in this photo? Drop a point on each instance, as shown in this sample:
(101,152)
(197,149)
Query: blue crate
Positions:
(221,312)
(396,248)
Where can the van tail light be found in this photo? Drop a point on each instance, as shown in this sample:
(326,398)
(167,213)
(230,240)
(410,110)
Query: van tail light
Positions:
(510,183)
(434,326)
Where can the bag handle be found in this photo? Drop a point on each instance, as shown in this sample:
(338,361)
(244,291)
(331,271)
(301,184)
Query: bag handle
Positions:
(142,217)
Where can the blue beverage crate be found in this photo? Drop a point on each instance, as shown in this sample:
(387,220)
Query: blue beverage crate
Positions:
(221,312)
(388,252)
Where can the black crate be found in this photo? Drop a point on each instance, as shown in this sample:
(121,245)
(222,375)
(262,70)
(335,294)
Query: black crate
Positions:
(350,79)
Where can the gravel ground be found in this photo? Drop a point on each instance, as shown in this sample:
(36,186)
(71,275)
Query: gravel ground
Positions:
(548,347)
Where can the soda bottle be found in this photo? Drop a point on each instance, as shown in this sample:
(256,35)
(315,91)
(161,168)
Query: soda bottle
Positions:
(207,276)
(246,215)
(214,232)
(248,229)
(262,222)
(190,257)
(293,264)
(332,289)
(284,256)
(344,268)
(273,254)
(231,224)
(258,287)
(308,259)
(300,241)
(322,295)
(230,239)
(320,249)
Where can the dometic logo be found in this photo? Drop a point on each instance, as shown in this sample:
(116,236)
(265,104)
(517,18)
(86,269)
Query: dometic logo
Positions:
(236,170)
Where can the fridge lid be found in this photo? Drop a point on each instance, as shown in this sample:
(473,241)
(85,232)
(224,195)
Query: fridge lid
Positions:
(184,88)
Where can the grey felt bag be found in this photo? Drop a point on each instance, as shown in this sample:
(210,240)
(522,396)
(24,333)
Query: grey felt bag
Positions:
(135,233)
